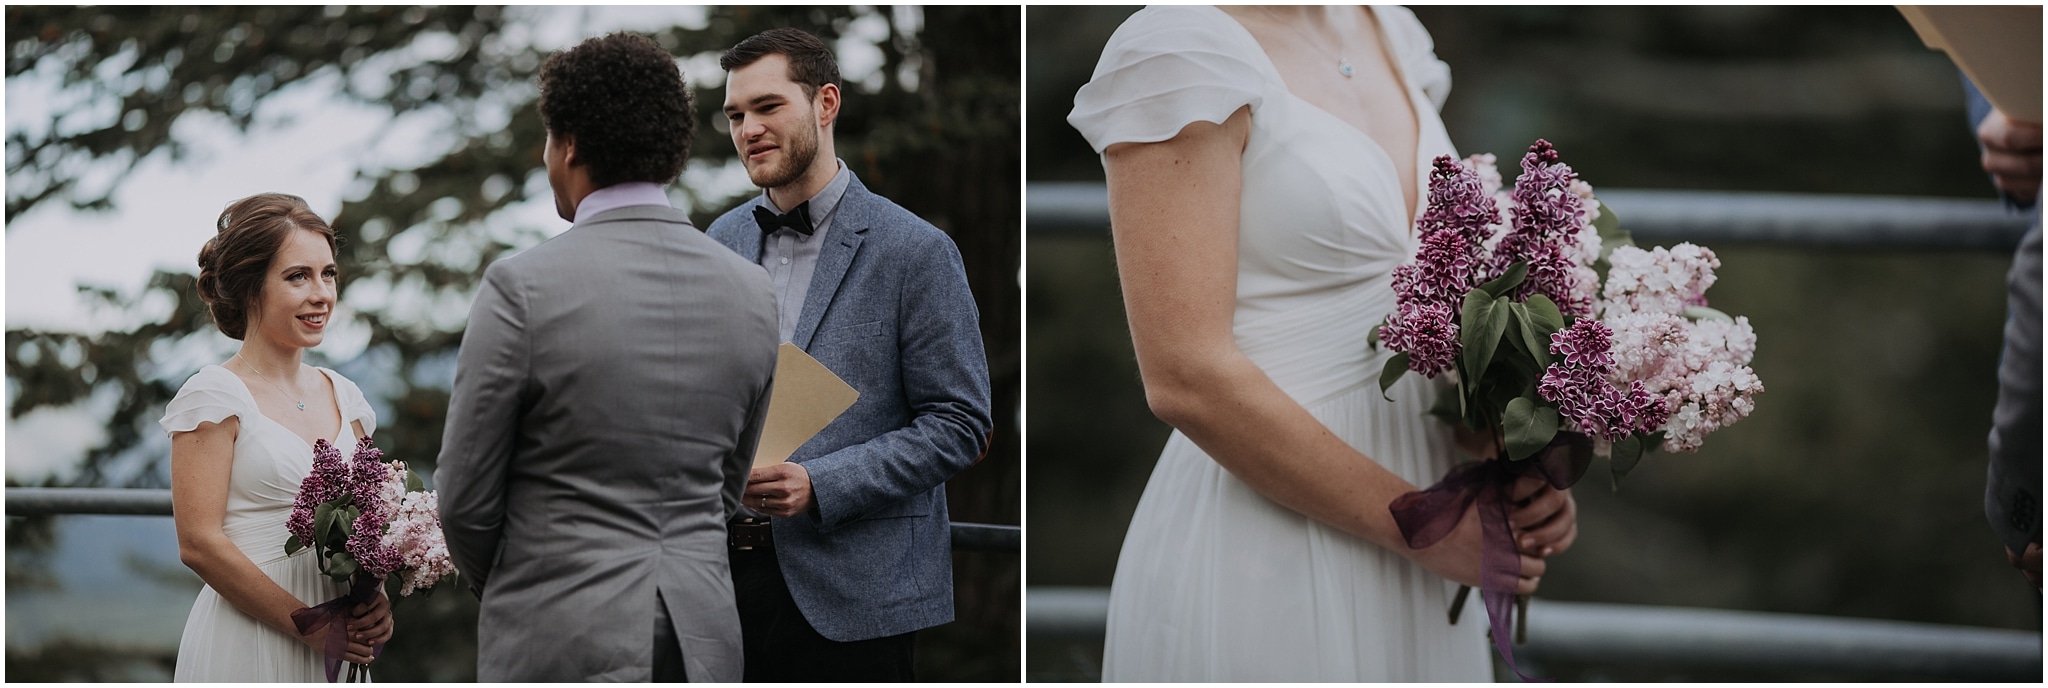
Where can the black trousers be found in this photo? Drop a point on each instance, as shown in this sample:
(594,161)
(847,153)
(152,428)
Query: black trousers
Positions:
(781,646)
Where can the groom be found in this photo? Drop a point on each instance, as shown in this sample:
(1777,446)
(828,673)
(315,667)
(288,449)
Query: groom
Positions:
(607,399)
(845,551)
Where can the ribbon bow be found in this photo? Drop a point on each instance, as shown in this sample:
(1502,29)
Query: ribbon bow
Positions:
(333,616)
(1427,516)
(797,220)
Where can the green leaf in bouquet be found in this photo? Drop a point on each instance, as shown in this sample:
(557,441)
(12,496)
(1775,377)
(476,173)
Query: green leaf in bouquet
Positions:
(1480,325)
(1612,236)
(292,545)
(1627,453)
(1543,313)
(1372,339)
(1507,280)
(1698,313)
(412,481)
(1608,225)
(341,565)
(1529,427)
(1526,335)
(1505,382)
(1396,367)
(1449,406)
(323,523)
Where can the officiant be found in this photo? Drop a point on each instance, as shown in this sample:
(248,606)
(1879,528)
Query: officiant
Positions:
(844,551)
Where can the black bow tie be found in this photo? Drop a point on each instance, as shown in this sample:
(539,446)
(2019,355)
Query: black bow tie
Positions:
(798,219)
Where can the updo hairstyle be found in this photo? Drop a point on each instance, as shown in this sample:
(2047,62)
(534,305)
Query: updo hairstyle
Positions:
(234,263)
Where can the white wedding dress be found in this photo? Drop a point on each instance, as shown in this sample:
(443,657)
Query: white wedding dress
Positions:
(1218,583)
(221,643)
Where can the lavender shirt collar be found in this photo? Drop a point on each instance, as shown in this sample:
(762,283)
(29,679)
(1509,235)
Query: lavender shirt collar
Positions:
(618,196)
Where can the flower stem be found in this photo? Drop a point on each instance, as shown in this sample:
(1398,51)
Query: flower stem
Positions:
(1458,603)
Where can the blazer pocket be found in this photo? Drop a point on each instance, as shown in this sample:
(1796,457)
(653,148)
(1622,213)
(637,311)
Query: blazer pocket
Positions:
(850,332)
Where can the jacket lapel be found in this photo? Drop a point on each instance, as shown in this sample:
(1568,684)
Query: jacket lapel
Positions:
(849,227)
(748,241)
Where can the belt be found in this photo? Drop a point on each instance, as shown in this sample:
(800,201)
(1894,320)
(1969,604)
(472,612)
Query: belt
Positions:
(746,532)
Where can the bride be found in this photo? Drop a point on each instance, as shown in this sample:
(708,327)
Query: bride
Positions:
(1264,166)
(242,437)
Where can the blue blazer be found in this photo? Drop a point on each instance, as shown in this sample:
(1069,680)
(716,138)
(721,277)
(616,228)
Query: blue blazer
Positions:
(888,310)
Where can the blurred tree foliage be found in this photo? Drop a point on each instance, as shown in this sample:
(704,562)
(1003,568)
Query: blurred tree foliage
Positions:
(937,134)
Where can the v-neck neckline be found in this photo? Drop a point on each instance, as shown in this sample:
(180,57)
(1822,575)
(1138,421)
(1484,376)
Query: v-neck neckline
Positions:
(333,391)
(1379,26)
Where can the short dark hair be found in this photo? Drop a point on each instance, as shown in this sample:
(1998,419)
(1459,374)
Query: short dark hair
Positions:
(811,62)
(622,98)
(235,262)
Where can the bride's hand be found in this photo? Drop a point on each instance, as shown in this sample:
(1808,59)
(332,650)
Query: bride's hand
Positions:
(1457,556)
(357,651)
(370,624)
(1545,519)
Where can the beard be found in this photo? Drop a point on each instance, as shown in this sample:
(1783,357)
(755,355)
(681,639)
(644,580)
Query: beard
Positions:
(799,151)
(557,184)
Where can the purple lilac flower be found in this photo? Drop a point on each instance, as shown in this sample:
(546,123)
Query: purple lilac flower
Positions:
(1580,388)
(1545,233)
(1429,335)
(1428,289)
(1459,204)
(327,480)
(376,490)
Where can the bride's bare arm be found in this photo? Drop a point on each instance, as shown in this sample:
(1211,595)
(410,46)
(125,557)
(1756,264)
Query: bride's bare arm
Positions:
(200,464)
(1174,214)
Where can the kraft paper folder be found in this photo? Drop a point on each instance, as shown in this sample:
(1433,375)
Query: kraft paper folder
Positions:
(1998,46)
(807,396)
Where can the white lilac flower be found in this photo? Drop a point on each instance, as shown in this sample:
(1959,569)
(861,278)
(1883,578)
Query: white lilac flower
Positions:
(1657,280)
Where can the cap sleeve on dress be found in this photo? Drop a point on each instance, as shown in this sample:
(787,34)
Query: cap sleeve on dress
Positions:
(211,395)
(1164,68)
(354,406)
(1417,52)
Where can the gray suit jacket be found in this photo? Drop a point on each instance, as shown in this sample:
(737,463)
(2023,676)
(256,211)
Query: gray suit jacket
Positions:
(888,310)
(2012,486)
(607,399)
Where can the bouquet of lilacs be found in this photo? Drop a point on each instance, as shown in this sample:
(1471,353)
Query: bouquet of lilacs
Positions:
(370,523)
(1563,340)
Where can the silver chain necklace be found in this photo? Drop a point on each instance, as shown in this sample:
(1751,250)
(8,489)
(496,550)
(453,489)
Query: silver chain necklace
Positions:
(260,375)
(1343,65)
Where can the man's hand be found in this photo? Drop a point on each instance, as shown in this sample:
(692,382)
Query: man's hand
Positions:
(2012,154)
(2028,563)
(781,490)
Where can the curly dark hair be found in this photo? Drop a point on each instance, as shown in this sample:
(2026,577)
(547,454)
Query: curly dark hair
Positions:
(622,98)
(811,62)
(234,263)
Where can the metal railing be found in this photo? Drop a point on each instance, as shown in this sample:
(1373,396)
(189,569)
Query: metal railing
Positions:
(50,501)
(1710,217)
(1616,634)
(1612,634)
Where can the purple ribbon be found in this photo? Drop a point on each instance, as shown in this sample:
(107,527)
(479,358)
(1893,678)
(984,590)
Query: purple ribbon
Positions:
(1427,516)
(333,615)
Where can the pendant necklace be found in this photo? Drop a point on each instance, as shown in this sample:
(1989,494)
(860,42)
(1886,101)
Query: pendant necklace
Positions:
(1343,65)
(266,380)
